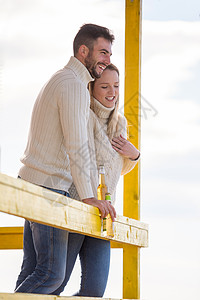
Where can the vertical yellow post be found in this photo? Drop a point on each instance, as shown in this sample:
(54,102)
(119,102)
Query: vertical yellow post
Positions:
(131,254)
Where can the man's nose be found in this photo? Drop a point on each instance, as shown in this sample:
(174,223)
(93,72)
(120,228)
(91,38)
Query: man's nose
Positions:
(107,60)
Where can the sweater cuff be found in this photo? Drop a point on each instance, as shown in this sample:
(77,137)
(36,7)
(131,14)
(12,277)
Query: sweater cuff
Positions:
(84,190)
(135,158)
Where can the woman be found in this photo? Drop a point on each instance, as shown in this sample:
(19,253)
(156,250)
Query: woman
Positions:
(108,146)
(107,133)
(109,129)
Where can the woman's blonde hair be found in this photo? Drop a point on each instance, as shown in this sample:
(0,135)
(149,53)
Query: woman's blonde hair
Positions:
(113,126)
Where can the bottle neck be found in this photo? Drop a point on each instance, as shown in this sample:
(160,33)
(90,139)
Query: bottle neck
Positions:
(101,179)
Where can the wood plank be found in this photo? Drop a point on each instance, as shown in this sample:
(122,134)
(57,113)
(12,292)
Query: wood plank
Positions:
(11,238)
(26,200)
(20,296)
(24,296)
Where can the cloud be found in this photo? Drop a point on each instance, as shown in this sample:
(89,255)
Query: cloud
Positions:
(173,48)
(157,10)
(167,72)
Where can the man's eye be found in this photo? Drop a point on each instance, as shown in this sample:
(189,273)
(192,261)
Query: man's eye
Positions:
(116,86)
(104,87)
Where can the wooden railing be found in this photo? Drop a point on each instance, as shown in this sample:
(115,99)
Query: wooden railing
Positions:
(26,200)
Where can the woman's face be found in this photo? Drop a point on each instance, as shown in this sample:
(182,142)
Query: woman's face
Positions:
(106,88)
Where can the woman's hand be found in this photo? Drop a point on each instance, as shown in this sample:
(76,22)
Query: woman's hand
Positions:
(125,148)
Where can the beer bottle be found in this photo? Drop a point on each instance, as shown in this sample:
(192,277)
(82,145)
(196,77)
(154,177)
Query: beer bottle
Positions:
(102,194)
(108,226)
(102,188)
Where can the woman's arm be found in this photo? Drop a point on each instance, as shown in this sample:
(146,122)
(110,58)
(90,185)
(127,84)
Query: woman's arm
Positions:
(130,153)
(125,148)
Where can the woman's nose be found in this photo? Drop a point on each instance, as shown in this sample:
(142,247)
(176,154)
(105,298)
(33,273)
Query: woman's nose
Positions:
(111,91)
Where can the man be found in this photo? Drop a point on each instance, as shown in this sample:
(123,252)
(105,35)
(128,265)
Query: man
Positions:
(53,159)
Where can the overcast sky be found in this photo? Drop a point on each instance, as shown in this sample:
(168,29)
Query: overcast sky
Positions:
(36,40)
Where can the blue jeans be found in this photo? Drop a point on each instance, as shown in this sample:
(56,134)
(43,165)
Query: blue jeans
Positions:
(94,257)
(49,257)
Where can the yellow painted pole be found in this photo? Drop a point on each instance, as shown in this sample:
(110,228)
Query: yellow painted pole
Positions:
(131,254)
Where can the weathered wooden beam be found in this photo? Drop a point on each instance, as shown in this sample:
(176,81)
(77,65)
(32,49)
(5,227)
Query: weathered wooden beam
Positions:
(11,238)
(20,296)
(26,200)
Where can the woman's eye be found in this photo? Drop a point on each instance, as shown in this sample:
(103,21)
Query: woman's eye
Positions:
(104,87)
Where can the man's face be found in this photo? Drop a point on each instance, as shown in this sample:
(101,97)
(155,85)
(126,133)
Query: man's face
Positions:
(98,58)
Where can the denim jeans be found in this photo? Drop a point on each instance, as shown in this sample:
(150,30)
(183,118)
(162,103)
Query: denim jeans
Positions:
(49,257)
(94,257)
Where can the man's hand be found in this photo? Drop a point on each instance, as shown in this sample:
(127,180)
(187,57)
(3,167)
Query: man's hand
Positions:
(104,206)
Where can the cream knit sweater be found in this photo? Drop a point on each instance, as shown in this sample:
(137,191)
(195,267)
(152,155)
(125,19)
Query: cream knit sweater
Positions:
(101,151)
(58,140)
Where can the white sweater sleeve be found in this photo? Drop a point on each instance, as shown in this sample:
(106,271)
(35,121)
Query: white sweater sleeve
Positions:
(93,158)
(74,110)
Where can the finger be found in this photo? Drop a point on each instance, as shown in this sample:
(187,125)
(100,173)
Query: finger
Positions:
(114,143)
(117,145)
(118,141)
(115,148)
(101,209)
(123,137)
(114,139)
(112,213)
(123,140)
(120,151)
(104,213)
(111,208)
(107,208)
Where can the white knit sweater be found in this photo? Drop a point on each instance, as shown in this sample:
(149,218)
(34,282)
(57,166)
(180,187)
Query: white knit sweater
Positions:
(101,151)
(58,140)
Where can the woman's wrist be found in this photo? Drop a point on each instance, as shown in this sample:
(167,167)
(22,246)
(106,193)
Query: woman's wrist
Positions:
(135,158)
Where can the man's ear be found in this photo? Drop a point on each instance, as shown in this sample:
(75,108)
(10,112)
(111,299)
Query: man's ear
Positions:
(83,51)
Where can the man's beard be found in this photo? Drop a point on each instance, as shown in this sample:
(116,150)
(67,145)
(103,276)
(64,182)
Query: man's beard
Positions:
(91,66)
(94,73)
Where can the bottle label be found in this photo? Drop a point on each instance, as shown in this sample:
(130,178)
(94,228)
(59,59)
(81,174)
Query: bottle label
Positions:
(104,224)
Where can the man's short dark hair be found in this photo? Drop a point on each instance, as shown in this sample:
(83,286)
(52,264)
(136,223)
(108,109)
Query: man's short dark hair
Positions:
(88,34)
